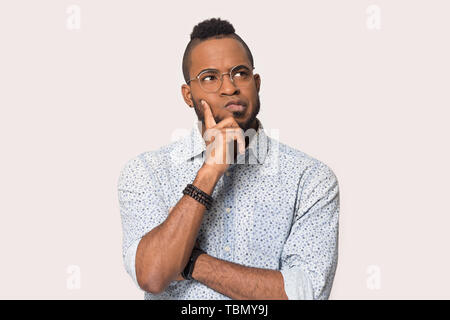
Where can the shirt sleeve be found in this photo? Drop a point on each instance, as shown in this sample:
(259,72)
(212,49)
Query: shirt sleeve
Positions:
(142,208)
(309,256)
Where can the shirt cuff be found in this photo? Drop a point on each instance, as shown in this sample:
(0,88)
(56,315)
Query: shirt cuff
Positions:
(130,260)
(297,284)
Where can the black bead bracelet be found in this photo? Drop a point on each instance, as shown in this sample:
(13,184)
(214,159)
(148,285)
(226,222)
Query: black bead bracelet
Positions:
(198,195)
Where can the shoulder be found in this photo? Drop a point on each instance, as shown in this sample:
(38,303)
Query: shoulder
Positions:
(140,166)
(158,158)
(315,180)
(298,163)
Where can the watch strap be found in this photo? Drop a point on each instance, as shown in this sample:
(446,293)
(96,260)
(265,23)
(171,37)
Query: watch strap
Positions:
(189,269)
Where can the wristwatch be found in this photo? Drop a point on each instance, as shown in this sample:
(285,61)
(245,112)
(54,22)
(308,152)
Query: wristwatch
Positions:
(187,272)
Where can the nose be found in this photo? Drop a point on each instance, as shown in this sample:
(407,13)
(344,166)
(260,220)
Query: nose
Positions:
(228,87)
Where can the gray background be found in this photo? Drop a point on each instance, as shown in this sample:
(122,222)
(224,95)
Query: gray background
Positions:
(78,100)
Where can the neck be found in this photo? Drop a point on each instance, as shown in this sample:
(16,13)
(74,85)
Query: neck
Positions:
(255,126)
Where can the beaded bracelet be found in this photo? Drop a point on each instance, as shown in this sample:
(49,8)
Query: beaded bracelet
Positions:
(198,195)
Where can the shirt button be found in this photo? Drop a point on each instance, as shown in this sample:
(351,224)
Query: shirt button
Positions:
(228,210)
(227,174)
(227,249)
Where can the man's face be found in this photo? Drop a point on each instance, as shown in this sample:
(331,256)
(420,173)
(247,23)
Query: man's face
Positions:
(222,54)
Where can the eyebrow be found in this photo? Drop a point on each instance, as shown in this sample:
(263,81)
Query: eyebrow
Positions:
(212,69)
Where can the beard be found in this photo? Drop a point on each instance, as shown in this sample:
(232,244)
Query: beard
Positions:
(238,115)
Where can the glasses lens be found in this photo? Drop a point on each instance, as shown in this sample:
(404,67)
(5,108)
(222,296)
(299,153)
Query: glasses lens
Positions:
(241,76)
(210,81)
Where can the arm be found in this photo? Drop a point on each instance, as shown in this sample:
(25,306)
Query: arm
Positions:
(308,267)
(157,244)
(164,251)
(237,281)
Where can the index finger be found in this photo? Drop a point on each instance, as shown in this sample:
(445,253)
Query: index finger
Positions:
(209,119)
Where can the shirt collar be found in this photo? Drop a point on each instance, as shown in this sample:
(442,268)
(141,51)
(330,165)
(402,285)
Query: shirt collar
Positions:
(193,145)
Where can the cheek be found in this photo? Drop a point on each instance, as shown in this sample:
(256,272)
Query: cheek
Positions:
(252,106)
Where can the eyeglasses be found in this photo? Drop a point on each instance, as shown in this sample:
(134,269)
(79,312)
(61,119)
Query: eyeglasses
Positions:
(210,80)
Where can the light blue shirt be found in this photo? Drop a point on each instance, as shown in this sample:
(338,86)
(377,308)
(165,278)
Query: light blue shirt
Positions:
(278,210)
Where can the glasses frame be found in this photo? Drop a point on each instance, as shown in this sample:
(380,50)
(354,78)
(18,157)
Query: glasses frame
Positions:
(221,76)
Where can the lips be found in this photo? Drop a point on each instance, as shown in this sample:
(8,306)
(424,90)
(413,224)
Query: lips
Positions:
(235,105)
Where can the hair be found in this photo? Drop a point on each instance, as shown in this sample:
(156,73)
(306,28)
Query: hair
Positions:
(210,29)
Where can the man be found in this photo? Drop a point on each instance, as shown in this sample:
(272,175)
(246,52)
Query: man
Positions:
(228,212)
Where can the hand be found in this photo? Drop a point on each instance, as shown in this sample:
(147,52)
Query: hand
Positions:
(218,137)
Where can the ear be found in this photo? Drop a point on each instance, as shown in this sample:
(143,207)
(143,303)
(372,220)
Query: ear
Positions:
(257,81)
(186,93)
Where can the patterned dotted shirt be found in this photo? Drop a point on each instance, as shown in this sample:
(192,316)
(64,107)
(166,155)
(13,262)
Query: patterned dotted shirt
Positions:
(275,208)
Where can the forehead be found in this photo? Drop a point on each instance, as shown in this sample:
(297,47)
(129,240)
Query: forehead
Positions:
(221,54)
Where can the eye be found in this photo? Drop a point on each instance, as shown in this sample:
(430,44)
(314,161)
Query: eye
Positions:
(241,74)
(209,78)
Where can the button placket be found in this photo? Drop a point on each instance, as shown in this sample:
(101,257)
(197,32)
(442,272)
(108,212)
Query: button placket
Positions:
(228,235)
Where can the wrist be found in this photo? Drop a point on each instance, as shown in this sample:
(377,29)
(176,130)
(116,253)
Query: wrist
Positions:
(207,179)
(188,271)
(209,172)
(199,266)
